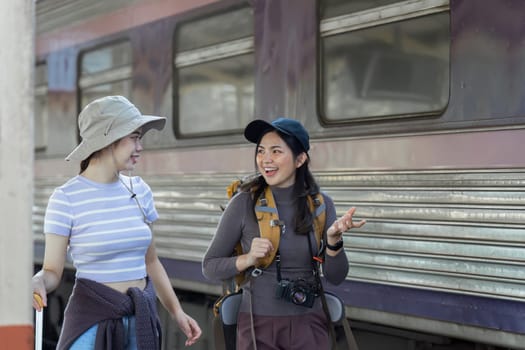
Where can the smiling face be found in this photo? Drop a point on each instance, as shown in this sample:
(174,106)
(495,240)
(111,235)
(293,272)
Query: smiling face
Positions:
(127,151)
(276,161)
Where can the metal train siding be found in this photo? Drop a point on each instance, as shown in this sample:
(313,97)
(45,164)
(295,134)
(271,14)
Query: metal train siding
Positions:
(416,115)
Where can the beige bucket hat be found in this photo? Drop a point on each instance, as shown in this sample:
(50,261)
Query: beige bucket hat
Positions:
(107,120)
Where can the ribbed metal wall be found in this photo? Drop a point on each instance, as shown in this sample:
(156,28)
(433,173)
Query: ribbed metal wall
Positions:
(53,14)
(459,232)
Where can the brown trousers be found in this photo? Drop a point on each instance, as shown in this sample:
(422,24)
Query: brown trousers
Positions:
(302,332)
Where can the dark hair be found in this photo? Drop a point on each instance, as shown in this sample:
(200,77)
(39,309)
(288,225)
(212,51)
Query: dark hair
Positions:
(85,163)
(304,185)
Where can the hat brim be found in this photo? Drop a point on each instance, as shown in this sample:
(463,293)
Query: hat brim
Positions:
(146,122)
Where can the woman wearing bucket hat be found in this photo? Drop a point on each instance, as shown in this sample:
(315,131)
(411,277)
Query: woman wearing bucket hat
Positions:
(280,307)
(102,218)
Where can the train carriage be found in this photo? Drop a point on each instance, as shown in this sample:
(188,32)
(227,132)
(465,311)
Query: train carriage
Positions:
(416,114)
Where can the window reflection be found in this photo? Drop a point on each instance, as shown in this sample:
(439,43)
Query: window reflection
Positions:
(215,92)
(398,68)
(106,58)
(105,71)
(216,96)
(121,88)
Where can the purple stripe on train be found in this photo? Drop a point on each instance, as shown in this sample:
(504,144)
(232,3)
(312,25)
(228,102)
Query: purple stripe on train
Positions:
(498,314)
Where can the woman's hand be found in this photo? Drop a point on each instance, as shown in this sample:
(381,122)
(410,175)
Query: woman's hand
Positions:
(260,248)
(188,326)
(39,293)
(344,223)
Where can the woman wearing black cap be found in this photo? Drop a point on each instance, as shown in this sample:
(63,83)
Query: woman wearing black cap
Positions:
(270,316)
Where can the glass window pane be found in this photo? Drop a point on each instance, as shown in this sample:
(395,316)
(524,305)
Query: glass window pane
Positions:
(104,72)
(215,29)
(103,59)
(215,93)
(397,68)
(122,88)
(216,96)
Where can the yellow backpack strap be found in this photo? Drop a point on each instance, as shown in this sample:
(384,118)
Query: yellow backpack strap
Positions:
(269,224)
(231,190)
(318,209)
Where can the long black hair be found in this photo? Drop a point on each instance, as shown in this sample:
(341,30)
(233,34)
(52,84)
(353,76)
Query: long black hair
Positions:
(304,185)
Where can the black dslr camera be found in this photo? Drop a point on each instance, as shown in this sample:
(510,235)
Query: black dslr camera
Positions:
(298,292)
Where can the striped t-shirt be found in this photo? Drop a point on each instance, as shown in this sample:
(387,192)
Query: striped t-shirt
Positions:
(108,236)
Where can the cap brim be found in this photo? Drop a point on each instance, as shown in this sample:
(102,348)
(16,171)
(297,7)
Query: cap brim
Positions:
(255,129)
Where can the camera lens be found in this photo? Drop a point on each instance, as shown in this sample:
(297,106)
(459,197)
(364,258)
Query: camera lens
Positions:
(298,297)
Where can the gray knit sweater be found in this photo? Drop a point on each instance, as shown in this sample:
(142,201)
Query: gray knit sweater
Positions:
(238,222)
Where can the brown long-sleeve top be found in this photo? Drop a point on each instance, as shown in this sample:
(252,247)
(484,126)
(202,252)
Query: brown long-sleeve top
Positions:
(238,223)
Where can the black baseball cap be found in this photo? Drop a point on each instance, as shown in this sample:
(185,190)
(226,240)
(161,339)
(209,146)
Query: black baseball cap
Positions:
(257,128)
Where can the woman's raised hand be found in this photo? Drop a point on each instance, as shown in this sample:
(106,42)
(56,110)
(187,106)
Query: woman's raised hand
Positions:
(344,223)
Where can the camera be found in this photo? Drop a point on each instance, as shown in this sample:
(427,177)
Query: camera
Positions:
(299,292)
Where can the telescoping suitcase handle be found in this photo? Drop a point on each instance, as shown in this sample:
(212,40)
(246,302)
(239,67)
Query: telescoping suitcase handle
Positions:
(39,320)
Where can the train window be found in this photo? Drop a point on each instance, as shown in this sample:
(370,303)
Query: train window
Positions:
(105,71)
(382,62)
(214,64)
(216,29)
(41,107)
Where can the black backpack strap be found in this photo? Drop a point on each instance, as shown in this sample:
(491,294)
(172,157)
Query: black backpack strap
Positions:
(331,327)
(350,340)
(218,332)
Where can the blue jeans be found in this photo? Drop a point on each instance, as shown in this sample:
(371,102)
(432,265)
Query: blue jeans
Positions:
(87,340)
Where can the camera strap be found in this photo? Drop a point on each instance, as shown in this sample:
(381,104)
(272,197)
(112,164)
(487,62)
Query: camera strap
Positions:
(278,265)
(315,266)
(315,259)
(350,340)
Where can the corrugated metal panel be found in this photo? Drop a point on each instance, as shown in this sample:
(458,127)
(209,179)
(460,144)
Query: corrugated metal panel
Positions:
(459,232)
(189,207)
(53,14)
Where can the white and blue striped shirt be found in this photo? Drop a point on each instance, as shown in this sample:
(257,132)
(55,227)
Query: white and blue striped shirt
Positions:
(108,237)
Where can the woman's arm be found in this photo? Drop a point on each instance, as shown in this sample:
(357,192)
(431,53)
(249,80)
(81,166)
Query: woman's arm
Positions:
(168,298)
(220,262)
(48,279)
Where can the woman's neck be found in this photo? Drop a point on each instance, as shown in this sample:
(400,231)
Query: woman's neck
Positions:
(99,172)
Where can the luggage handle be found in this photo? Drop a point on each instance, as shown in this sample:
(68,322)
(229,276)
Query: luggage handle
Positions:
(39,321)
